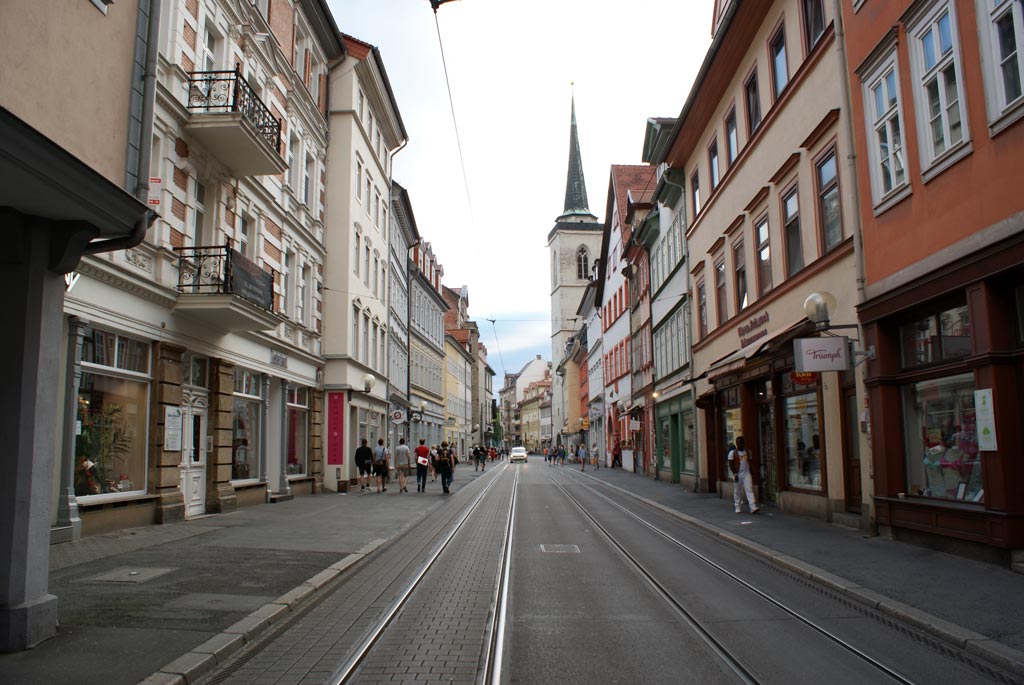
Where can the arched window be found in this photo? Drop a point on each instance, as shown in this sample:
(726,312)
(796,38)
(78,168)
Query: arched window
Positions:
(582,263)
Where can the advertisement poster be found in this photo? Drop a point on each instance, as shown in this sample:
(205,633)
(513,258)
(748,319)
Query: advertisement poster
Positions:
(172,429)
(984,414)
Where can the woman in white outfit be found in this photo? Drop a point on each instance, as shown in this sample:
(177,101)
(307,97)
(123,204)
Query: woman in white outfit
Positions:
(739,462)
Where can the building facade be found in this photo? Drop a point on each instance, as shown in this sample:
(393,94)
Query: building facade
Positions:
(426,346)
(365,127)
(937,109)
(770,208)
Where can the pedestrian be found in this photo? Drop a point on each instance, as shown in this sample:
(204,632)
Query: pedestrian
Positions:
(739,462)
(433,458)
(443,465)
(422,465)
(364,465)
(403,463)
(561,455)
(617,455)
(596,455)
(582,455)
(380,465)
(493,454)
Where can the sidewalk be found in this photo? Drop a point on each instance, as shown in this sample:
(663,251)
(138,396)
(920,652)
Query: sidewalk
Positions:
(168,600)
(961,601)
(132,602)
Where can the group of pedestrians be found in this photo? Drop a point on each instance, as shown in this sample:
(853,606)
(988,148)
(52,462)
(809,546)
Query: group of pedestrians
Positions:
(578,453)
(374,465)
(481,455)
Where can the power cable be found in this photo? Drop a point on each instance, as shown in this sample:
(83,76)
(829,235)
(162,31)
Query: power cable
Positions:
(451,103)
(496,345)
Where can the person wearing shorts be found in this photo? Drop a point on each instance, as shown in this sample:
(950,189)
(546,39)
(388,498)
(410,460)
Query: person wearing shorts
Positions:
(403,464)
(364,464)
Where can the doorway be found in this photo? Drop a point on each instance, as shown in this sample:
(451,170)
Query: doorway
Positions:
(193,453)
(851,451)
(768,483)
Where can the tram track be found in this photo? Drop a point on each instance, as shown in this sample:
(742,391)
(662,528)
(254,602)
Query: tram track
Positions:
(735,664)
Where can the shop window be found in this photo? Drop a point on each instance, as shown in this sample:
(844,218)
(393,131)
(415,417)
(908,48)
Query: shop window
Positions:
(939,427)
(298,431)
(246,418)
(113,411)
(936,337)
(803,443)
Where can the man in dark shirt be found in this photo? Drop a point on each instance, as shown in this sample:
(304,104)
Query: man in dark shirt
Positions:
(444,464)
(364,463)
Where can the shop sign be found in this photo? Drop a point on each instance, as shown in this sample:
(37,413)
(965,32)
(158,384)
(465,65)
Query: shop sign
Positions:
(415,416)
(251,282)
(398,416)
(586,422)
(985,419)
(803,377)
(753,330)
(634,424)
(821,354)
(278,359)
(172,429)
(450,422)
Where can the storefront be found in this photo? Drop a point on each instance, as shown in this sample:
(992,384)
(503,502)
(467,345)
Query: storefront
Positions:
(945,394)
(673,441)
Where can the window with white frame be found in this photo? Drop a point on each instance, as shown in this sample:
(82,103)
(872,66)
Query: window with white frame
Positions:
(791,231)
(780,67)
(713,169)
(307,180)
(695,192)
(359,179)
(355,253)
(732,143)
(365,358)
(938,88)
(301,288)
(355,332)
(814,21)
(209,49)
(1001,29)
(884,114)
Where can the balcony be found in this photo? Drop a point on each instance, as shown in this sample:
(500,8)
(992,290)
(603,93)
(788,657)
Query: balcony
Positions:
(222,288)
(231,121)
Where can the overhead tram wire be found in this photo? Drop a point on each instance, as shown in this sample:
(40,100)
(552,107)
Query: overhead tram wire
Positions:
(451,103)
(495,329)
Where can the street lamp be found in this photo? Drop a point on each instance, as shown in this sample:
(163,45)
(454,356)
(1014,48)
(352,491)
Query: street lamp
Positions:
(369,380)
(818,307)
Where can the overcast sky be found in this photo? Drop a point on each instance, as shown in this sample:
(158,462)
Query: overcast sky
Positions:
(510,65)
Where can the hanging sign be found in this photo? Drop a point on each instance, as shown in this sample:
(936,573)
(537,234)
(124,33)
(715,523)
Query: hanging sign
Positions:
(415,416)
(804,377)
(398,416)
(634,424)
(821,354)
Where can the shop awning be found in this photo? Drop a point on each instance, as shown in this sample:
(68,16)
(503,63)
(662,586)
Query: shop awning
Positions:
(738,359)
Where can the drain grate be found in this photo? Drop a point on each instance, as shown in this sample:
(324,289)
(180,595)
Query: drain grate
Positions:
(560,549)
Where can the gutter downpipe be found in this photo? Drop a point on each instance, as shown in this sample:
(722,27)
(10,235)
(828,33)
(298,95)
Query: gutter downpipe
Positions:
(387,299)
(138,232)
(867,509)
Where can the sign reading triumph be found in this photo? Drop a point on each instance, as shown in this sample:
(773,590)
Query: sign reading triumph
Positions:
(821,354)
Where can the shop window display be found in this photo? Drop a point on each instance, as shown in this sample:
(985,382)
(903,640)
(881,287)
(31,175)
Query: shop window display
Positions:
(942,442)
(804,446)
(246,416)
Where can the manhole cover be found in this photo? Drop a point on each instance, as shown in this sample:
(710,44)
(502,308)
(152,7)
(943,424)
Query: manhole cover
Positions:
(129,574)
(560,549)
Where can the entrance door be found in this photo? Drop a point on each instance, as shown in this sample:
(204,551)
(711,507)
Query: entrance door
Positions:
(193,455)
(768,482)
(851,451)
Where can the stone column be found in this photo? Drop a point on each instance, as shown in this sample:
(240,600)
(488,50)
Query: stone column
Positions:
(165,467)
(29,372)
(265,408)
(69,525)
(316,422)
(220,494)
(284,488)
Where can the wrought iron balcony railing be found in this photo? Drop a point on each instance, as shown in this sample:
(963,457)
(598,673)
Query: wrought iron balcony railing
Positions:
(228,91)
(222,270)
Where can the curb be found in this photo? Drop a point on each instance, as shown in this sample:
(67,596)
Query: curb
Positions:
(203,658)
(977,644)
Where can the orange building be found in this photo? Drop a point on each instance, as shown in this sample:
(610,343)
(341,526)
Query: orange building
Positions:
(937,106)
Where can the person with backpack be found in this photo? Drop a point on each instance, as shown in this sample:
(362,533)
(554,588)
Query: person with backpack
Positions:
(422,465)
(739,463)
(364,465)
(380,465)
(403,464)
(582,455)
(444,464)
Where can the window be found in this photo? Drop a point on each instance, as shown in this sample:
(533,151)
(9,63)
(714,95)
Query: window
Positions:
(200,230)
(376,207)
(298,431)
(753,103)
(365,357)
(713,164)
(368,192)
(720,302)
(695,192)
(804,448)
(209,50)
(702,309)
(732,143)
(882,106)
(935,64)
(291,173)
(355,254)
(246,418)
(360,105)
(764,256)
(939,426)
(366,263)
(307,180)
(355,332)
(814,21)
(936,337)
(791,222)
(359,179)
(1002,39)
(376,268)
(246,236)
(112,416)
(582,263)
(739,261)
(374,345)
(780,69)
(300,294)
(829,212)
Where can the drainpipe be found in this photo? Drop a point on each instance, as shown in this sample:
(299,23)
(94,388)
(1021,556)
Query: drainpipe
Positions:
(387,298)
(138,232)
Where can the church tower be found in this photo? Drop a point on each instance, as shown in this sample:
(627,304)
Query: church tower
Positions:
(574,243)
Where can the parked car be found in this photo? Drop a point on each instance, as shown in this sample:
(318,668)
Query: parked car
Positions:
(517,454)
